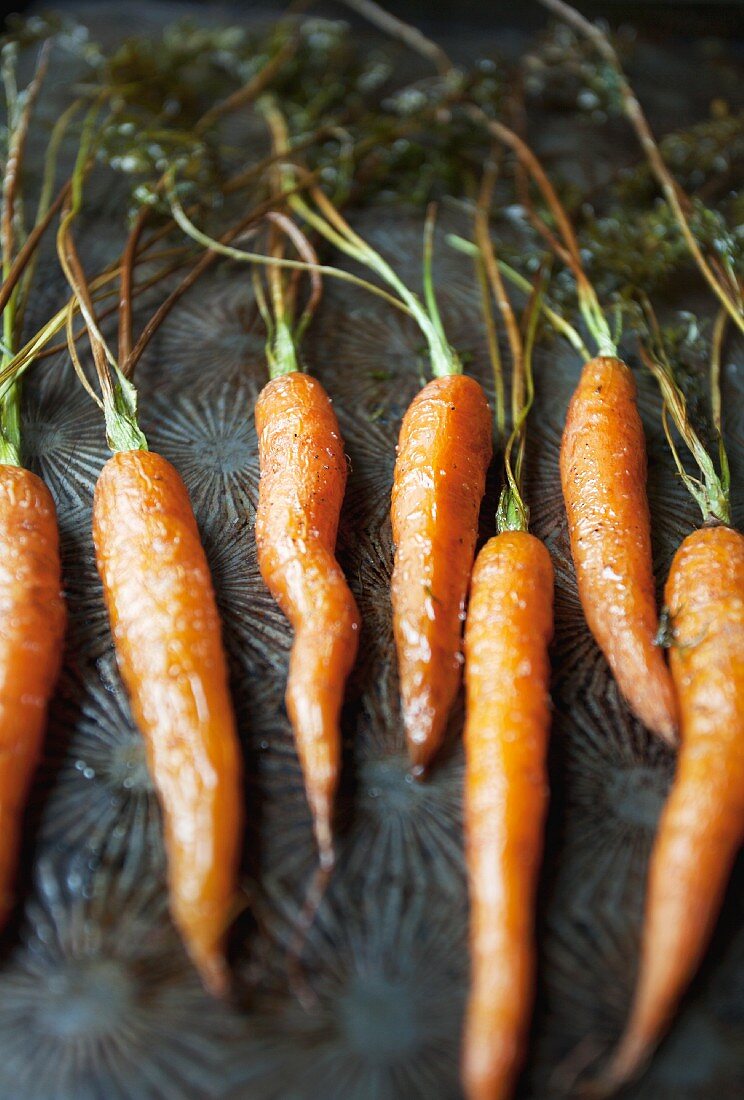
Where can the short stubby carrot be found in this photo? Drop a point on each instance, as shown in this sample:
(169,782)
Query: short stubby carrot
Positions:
(603,473)
(444,450)
(507,676)
(167,635)
(702,826)
(32,627)
(301,490)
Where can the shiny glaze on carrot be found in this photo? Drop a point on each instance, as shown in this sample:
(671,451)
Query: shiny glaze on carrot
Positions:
(32,627)
(702,826)
(444,450)
(507,678)
(303,479)
(168,641)
(603,473)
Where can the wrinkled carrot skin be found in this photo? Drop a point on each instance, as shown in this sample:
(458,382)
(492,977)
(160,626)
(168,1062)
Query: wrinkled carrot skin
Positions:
(603,473)
(702,826)
(444,450)
(301,490)
(32,627)
(168,640)
(507,677)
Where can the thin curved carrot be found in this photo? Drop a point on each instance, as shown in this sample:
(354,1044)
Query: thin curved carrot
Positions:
(603,474)
(32,627)
(301,489)
(507,675)
(444,450)
(167,633)
(702,826)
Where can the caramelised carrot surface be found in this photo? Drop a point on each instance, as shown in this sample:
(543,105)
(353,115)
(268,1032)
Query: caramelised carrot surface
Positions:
(702,826)
(167,635)
(444,450)
(303,479)
(507,676)
(603,473)
(32,627)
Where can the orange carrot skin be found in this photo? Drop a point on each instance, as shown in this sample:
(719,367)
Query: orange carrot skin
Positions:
(507,678)
(702,826)
(167,634)
(301,490)
(444,450)
(603,473)
(32,628)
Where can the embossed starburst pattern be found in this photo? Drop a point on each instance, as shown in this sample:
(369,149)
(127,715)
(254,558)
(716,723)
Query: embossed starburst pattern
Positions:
(97,998)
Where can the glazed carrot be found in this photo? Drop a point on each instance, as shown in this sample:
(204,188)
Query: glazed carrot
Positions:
(702,826)
(603,474)
(507,675)
(167,634)
(301,490)
(444,450)
(32,627)
(303,478)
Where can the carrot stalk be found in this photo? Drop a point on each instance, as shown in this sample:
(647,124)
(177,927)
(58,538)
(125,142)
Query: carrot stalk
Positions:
(507,675)
(702,825)
(603,474)
(167,636)
(301,490)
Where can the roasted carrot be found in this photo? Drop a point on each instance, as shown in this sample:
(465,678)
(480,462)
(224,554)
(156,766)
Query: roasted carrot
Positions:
(702,825)
(301,490)
(507,673)
(167,636)
(603,475)
(31,635)
(303,478)
(444,450)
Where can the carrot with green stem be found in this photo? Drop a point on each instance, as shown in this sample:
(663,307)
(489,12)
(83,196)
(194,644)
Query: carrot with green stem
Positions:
(507,674)
(301,490)
(702,825)
(603,474)
(33,619)
(168,642)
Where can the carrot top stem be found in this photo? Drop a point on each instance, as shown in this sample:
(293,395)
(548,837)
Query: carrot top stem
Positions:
(559,323)
(284,333)
(118,395)
(243,256)
(568,251)
(327,220)
(712,489)
(19,108)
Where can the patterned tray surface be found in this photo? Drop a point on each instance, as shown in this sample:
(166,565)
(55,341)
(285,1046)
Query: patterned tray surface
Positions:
(97,999)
